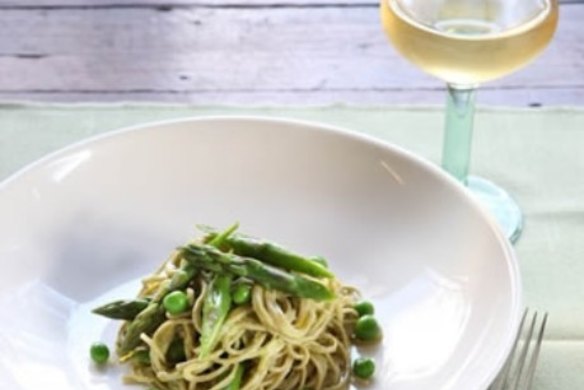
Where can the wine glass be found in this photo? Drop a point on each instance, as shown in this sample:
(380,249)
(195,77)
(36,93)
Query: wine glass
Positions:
(465,43)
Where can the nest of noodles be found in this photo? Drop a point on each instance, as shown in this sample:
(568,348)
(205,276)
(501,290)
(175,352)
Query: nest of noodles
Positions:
(283,342)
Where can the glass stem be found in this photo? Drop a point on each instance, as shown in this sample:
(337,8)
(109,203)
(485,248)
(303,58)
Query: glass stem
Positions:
(460,106)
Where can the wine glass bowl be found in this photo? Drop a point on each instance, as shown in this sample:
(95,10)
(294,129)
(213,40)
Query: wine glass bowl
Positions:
(469,42)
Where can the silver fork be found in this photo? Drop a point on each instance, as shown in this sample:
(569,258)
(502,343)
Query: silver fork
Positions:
(519,369)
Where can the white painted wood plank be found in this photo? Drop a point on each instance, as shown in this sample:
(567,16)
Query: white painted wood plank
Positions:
(194,49)
(196,3)
(486,96)
(209,50)
(222,3)
(200,51)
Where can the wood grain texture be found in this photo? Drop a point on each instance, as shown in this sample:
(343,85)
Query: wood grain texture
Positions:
(194,3)
(319,55)
(201,3)
(180,3)
(487,96)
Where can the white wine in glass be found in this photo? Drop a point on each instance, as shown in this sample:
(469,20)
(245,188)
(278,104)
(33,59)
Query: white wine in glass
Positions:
(465,43)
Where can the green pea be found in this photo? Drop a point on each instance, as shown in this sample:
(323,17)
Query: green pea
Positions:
(176,302)
(364,308)
(363,368)
(320,260)
(99,353)
(367,328)
(241,294)
(142,357)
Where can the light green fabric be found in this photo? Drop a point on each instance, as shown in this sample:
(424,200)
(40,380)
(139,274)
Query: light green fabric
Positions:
(538,155)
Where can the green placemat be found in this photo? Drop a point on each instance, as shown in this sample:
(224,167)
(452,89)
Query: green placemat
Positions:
(535,154)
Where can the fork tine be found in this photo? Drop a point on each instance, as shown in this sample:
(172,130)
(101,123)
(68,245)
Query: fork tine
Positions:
(503,376)
(533,363)
(523,355)
(519,368)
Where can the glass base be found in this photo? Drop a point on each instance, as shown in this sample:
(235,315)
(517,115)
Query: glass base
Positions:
(500,204)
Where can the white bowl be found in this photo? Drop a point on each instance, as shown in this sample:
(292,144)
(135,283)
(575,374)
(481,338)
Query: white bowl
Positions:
(82,225)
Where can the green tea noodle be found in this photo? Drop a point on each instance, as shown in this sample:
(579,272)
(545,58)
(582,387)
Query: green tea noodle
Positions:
(284,342)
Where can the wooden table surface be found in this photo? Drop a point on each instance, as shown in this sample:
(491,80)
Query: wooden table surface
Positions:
(244,52)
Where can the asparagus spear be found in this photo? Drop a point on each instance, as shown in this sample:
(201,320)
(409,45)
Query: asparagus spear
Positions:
(211,259)
(122,310)
(219,239)
(147,322)
(153,315)
(146,317)
(235,383)
(215,310)
(218,300)
(180,279)
(272,253)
